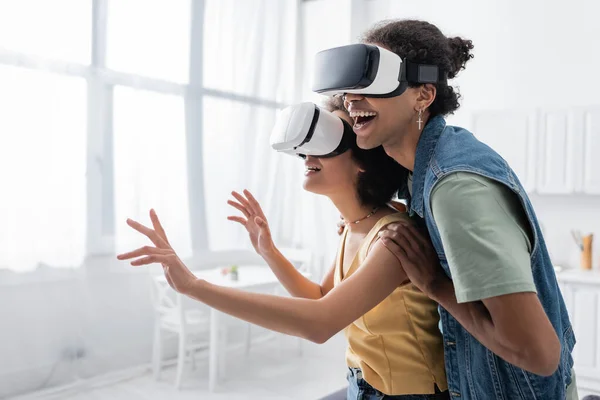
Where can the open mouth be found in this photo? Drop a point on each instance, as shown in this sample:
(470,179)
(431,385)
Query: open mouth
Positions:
(311,170)
(362,118)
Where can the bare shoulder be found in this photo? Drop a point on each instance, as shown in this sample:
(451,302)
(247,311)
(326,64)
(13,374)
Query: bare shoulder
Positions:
(382,260)
(390,219)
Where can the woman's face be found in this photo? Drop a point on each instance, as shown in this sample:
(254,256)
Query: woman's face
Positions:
(379,121)
(333,174)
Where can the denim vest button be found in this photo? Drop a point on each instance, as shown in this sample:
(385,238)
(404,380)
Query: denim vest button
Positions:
(449,343)
(455,394)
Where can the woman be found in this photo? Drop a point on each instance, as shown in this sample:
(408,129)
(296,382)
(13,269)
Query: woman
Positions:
(506,329)
(395,349)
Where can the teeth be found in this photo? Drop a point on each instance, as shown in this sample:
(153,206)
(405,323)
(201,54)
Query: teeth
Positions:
(355,114)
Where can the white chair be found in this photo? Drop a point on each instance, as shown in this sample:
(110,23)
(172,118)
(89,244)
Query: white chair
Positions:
(179,315)
(190,324)
(223,258)
(188,320)
(301,259)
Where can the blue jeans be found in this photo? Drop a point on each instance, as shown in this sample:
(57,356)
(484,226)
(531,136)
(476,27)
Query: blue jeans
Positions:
(359,389)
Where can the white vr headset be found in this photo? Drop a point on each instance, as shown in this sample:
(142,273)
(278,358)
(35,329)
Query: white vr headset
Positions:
(369,70)
(305,129)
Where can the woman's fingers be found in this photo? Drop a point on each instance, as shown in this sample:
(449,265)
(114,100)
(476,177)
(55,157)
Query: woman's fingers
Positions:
(240,207)
(154,258)
(241,199)
(240,220)
(142,251)
(149,233)
(158,226)
(254,204)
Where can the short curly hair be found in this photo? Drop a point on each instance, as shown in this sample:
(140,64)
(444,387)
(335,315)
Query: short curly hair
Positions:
(382,177)
(422,42)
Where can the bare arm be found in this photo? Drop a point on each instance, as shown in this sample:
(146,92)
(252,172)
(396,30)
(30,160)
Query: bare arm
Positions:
(315,320)
(255,222)
(294,282)
(514,326)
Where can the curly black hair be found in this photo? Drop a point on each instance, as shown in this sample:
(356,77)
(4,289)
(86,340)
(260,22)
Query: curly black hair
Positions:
(422,42)
(382,177)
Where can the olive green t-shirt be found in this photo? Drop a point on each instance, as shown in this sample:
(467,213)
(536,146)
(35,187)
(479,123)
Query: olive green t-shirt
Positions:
(485,234)
(486,238)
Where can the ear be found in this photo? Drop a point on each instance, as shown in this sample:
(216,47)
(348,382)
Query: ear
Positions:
(426,96)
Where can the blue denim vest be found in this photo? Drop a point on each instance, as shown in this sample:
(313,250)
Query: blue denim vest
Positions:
(474,372)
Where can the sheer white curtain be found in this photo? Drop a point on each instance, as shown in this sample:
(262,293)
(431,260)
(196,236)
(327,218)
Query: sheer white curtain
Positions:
(42,169)
(150,166)
(251,50)
(84,322)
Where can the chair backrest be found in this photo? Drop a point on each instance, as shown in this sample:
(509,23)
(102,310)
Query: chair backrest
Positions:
(165,300)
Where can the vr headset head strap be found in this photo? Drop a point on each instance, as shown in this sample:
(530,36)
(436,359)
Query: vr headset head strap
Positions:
(421,73)
(411,72)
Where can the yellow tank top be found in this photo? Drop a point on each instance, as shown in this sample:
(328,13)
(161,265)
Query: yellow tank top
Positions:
(397,344)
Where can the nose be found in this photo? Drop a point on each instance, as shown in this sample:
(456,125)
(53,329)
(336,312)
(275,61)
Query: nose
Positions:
(350,97)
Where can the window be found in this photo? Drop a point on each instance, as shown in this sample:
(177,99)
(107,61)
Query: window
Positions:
(149,38)
(42,169)
(249,48)
(58,29)
(236,156)
(72,179)
(150,166)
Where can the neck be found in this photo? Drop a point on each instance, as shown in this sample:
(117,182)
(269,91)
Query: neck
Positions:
(352,210)
(403,147)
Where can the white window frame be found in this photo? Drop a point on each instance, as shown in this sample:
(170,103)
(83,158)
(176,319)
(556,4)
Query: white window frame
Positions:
(100,87)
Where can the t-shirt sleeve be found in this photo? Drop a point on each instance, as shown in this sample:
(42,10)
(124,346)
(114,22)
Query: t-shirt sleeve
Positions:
(485,234)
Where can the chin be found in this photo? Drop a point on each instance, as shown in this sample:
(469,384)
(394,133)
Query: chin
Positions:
(366,143)
(310,186)
(367,138)
(316,187)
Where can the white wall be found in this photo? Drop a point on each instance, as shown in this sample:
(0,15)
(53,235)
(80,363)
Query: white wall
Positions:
(108,315)
(104,308)
(528,55)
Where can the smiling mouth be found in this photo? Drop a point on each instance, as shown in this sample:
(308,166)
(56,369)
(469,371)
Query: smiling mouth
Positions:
(362,118)
(311,170)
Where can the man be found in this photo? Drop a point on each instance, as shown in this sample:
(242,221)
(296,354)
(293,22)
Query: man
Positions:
(507,334)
